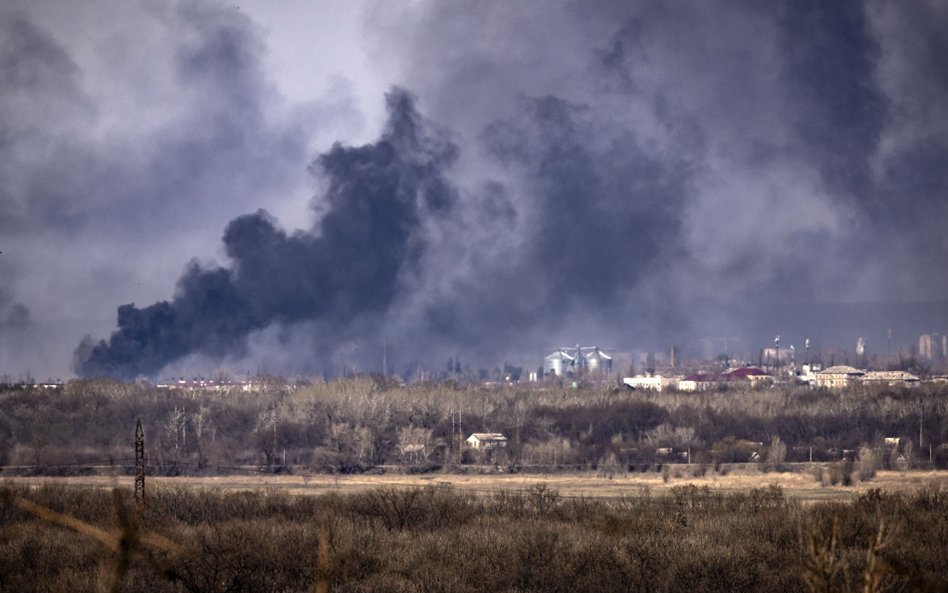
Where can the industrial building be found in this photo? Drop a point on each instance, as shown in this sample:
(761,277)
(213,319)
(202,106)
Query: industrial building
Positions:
(576,360)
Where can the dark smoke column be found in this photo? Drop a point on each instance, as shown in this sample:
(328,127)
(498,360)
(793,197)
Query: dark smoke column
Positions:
(347,266)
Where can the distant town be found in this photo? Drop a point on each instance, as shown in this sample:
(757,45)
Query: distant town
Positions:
(702,364)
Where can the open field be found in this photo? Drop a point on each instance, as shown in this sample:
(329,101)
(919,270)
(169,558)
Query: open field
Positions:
(799,486)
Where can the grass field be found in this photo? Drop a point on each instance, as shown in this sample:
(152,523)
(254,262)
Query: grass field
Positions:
(799,486)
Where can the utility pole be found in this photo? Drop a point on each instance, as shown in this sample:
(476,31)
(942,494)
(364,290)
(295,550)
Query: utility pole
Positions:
(777,354)
(139,468)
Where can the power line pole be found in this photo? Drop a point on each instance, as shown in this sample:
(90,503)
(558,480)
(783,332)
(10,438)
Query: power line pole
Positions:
(139,468)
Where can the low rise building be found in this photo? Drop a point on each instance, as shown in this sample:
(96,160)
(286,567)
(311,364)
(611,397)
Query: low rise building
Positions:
(651,382)
(890,378)
(839,376)
(751,376)
(483,441)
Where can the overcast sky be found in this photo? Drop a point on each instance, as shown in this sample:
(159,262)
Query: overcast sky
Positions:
(288,185)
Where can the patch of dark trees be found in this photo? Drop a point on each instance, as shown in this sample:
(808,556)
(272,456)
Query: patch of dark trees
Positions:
(365,424)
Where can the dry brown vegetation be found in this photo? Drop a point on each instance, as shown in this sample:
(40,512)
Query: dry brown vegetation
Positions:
(799,486)
(586,496)
(440,538)
(358,425)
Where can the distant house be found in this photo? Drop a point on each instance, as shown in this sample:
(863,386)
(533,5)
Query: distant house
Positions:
(650,382)
(744,375)
(839,376)
(487,440)
(699,382)
(890,378)
(807,374)
(751,374)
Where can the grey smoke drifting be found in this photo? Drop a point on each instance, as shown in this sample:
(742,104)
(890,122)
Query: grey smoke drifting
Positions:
(681,170)
(625,174)
(347,267)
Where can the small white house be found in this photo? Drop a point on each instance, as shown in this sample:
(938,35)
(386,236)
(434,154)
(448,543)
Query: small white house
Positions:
(486,440)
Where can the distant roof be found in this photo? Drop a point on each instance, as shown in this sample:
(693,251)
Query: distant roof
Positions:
(889,376)
(702,378)
(559,354)
(841,369)
(746,372)
(597,353)
(488,436)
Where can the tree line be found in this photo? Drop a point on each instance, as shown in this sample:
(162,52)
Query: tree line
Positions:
(358,424)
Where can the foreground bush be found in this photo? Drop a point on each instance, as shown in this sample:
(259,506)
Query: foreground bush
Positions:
(438,539)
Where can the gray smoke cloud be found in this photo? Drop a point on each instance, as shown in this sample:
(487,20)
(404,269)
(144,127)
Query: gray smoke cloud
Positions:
(348,267)
(123,158)
(680,170)
(627,174)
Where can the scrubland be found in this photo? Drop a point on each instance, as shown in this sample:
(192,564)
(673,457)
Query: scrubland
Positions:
(439,538)
(598,489)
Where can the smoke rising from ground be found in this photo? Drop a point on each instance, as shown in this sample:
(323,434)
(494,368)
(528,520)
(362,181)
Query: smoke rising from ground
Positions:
(347,267)
(624,174)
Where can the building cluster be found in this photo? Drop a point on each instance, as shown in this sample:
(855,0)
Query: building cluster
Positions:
(247,385)
(840,376)
(834,377)
(750,376)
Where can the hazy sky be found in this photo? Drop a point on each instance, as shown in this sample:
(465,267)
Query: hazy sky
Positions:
(287,185)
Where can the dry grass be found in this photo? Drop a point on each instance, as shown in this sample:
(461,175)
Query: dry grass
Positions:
(392,539)
(799,486)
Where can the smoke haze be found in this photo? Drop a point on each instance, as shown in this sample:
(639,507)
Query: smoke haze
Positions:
(624,174)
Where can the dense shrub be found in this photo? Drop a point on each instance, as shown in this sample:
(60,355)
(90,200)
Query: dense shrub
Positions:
(438,539)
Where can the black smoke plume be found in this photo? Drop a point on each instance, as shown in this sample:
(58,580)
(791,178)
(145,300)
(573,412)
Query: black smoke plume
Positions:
(348,266)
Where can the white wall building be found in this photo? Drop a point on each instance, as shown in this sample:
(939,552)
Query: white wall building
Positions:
(651,382)
(483,441)
(839,376)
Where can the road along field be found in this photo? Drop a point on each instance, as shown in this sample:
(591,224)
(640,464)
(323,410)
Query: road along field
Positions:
(800,486)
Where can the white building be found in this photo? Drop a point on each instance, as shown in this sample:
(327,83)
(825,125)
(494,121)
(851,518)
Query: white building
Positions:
(838,376)
(651,382)
(890,378)
(486,440)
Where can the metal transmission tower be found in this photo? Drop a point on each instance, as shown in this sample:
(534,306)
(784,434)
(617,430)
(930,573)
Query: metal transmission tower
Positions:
(139,467)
